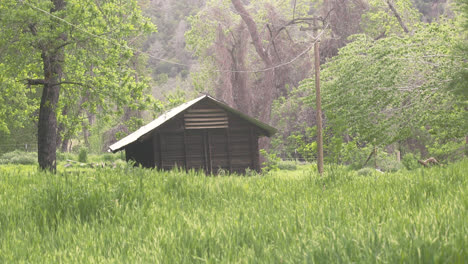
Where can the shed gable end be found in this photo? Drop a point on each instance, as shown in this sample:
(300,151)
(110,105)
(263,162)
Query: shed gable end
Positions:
(206,118)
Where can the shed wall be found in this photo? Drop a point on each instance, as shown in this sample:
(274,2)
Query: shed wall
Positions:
(233,148)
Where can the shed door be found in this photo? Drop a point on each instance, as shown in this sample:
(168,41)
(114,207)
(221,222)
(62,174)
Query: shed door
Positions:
(207,149)
(218,150)
(195,149)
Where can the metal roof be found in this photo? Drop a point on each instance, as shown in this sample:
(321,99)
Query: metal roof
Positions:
(179,109)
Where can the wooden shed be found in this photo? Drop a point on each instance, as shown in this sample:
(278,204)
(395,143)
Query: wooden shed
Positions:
(204,134)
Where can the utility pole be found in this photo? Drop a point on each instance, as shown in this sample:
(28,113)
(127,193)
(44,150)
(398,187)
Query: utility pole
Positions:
(318,100)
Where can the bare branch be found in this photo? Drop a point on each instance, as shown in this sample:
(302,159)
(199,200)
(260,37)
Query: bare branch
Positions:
(397,15)
(30,82)
(252,26)
(68,82)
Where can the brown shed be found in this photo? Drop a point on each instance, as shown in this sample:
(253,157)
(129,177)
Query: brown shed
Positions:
(201,134)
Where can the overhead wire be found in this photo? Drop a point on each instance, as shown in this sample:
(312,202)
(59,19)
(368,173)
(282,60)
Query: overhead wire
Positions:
(115,42)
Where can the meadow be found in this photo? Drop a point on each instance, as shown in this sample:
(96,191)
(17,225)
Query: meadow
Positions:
(134,215)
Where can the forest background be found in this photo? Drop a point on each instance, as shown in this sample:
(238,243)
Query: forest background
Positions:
(394,73)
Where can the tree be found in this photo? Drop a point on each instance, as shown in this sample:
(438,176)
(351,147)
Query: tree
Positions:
(387,89)
(459,84)
(76,49)
(251,76)
(389,17)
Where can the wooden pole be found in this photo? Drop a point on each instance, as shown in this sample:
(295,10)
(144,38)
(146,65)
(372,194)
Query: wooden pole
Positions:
(318,101)
(375,154)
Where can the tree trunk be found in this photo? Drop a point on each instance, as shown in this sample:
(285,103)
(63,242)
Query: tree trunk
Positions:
(52,59)
(268,89)
(241,92)
(47,126)
(65,143)
(268,92)
(318,103)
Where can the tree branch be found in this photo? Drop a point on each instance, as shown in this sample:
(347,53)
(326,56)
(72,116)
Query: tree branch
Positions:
(30,82)
(397,15)
(67,82)
(252,27)
(273,43)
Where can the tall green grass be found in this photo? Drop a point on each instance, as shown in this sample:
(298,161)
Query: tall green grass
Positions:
(134,215)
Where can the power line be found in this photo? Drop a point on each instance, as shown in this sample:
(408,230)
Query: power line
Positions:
(115,42)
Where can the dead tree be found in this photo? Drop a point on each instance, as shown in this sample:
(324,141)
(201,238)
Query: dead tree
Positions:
(429,161)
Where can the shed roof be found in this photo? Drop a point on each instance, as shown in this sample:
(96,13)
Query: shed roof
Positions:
(269,130)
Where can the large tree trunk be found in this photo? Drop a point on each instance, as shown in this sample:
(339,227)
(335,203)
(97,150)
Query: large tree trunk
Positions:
(52,59)
(264,98)
(47,126)
(268,92)
(241,93)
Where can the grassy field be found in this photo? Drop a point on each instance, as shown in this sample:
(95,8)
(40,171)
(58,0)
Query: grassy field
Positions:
(133,215)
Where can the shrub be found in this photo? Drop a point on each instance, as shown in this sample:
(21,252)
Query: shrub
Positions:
(450,151)
(287,165)
(366,171)
(62,156)
(410,161)
(83,155)
(250,172)
(19,157)
(390,165)
(110,157)
(25,160)
(353,155)
(387,162)
(272,160)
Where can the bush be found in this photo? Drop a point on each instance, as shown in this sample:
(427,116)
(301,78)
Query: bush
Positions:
(410,161)
(19,157)
(63,156)
(353,155)
(390,165)
(287,165)
(450,151)
(25,160)
(272,160)
(366,171)
(83,155)
(387,162)
(111,157)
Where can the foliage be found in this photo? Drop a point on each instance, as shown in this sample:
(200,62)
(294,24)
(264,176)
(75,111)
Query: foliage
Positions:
(379,20)
(289,165)
(410,161)
(304,144)
(388,163)
(447,151)
(222,40)
(18,157)
(63,156)
(137,215)
(22,136)
(459,83)
(366,171)
(98,71)
(271,161)
(384,90)
(83,155)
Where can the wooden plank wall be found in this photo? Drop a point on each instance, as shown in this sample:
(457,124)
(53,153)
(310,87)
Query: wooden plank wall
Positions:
(141,153)
(221,141)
